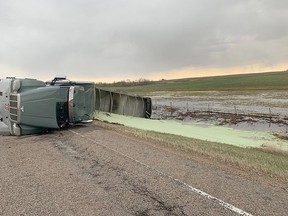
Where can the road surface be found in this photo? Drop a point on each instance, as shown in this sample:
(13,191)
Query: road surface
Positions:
(93,170)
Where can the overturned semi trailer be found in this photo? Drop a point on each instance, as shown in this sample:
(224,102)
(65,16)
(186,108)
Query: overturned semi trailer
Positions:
(123,104)
(30,106)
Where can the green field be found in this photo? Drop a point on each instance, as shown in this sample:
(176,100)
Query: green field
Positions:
(268,162)
(260,81)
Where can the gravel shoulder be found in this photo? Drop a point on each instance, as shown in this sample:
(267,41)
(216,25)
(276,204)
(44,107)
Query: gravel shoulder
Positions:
(93,170)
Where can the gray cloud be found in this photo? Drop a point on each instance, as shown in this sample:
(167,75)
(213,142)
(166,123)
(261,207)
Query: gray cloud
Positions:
(126,37)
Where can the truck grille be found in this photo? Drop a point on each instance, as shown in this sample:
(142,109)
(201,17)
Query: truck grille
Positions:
(13,107)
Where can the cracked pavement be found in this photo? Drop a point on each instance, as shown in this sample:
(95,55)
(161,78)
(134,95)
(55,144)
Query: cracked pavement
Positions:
(92,170)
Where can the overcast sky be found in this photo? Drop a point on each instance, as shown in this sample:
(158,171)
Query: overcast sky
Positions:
(114,40)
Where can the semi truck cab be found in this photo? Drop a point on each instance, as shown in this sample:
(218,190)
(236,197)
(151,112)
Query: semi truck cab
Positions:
(30,106)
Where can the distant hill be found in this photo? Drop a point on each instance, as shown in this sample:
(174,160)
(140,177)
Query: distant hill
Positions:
(274,73)
(259,81)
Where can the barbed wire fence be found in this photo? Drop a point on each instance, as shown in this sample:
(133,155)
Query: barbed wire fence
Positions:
(230,114)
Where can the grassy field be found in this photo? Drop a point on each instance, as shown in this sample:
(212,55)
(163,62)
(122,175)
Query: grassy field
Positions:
(266,162)
(261,81)
(263,162)
(259,160)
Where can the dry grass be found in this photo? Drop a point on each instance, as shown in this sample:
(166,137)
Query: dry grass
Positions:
(265,162)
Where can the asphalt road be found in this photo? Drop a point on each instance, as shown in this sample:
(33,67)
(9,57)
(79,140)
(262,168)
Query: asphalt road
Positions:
(92,170)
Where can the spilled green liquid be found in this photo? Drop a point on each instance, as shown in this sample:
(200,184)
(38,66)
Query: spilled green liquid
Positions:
(220,134)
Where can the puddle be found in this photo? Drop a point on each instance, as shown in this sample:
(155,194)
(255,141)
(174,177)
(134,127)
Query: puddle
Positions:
(261,126)
(265,102)
(264,111)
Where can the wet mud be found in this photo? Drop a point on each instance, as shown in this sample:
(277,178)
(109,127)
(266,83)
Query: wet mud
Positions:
(257,111)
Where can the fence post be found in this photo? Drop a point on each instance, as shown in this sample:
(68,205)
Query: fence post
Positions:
(235,108)
(270,117)
(270,113)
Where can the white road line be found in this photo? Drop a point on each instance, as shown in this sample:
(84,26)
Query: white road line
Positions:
(189,187)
